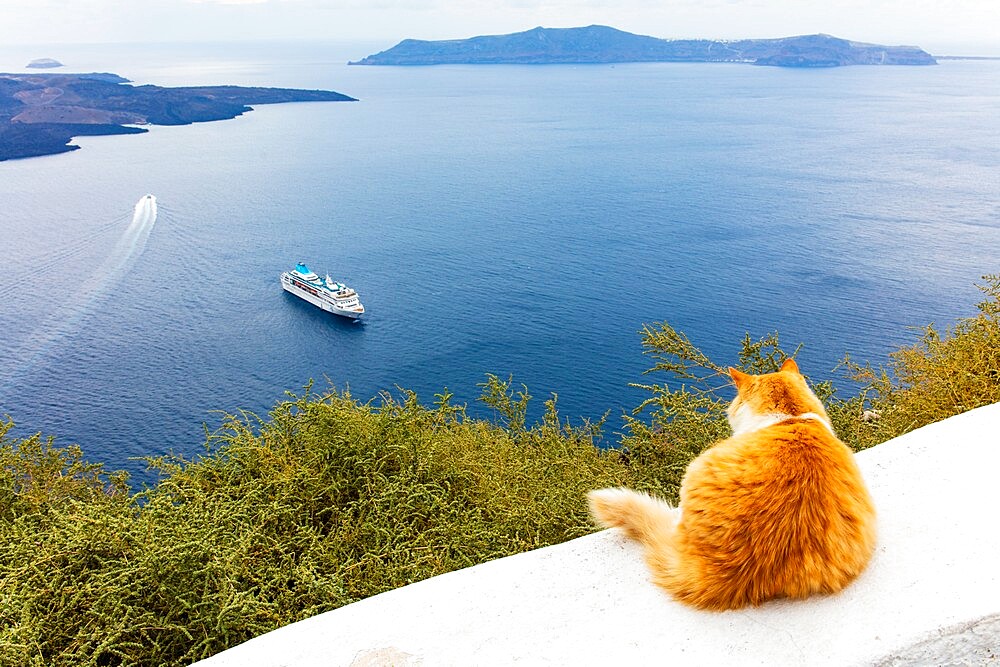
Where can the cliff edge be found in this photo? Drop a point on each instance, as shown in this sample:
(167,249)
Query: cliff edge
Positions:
(931,595)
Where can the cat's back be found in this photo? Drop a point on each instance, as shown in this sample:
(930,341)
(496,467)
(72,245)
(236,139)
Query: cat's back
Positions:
(804,447)
(795,462)
(786,502)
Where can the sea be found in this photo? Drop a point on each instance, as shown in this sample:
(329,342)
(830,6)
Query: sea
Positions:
(524,221)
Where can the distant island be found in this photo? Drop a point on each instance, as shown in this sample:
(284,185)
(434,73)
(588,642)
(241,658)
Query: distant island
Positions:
(601,44)
(44,63)
(41,113)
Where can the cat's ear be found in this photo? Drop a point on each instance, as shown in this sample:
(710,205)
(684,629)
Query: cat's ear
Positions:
(790,365)
(739,377)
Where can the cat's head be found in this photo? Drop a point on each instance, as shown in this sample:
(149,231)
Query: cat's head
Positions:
(772,397)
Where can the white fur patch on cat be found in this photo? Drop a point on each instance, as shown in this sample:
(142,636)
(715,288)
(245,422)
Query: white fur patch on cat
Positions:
(745,420)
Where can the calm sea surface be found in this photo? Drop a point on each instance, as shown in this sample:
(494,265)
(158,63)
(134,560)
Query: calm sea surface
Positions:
(506,219)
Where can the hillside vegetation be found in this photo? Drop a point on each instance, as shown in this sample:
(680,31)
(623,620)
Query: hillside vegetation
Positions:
(329,499)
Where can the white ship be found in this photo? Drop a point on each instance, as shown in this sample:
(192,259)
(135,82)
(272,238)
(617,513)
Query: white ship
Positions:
(328,294)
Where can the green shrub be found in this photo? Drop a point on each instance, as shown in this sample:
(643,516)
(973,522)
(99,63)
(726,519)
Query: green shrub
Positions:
(939,376)
(324,503)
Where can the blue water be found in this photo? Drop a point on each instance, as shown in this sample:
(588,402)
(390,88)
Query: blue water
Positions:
(506,219)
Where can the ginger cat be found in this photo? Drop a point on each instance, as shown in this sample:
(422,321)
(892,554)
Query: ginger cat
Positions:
(777,510)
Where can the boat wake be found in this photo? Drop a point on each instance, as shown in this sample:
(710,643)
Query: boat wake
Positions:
(66,319)
(133,241)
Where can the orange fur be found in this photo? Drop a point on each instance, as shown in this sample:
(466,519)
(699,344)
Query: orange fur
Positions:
(777,510)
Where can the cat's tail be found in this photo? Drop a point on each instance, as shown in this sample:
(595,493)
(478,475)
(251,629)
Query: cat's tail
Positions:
(650,521)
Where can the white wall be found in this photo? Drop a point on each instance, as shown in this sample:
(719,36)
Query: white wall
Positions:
(930,596)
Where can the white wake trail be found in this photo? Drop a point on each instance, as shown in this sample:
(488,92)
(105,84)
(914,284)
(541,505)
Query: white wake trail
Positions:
(85,294)
(132,242)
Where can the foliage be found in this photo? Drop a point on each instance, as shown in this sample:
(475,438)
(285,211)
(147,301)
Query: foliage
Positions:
(326,502)
(938,376)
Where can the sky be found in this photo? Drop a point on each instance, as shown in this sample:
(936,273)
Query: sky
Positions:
(943,27)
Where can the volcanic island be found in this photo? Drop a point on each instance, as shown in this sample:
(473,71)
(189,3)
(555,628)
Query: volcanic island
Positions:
(40,113)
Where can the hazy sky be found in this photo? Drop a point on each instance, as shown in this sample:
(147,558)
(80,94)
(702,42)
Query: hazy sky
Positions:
(940,26)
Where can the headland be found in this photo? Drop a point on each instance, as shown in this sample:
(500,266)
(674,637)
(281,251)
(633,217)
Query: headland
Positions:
(41,113)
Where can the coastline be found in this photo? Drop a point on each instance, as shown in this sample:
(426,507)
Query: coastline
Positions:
(41,113)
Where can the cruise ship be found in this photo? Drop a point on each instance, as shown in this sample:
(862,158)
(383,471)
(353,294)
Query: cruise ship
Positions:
(327,294)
